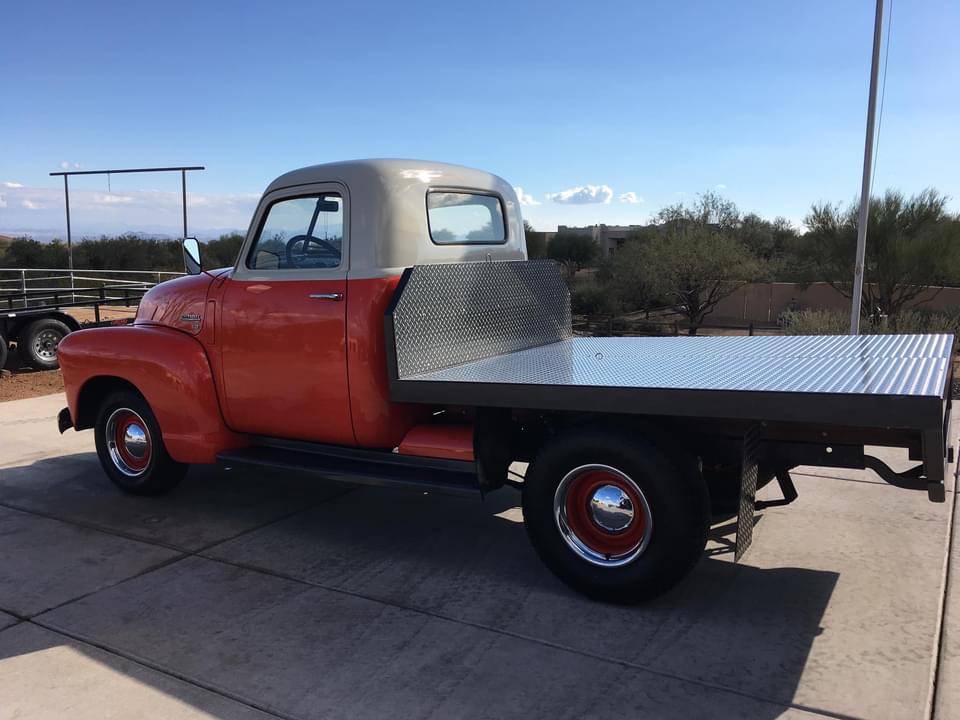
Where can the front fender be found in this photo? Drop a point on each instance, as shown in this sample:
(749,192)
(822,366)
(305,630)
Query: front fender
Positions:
(169,368)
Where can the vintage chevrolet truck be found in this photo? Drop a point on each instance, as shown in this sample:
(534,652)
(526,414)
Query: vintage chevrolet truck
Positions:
(382,325)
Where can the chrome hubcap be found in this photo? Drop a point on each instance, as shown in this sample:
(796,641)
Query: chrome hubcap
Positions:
(128,442)
(603,515)
(45,344)
(135,440)
(611,508)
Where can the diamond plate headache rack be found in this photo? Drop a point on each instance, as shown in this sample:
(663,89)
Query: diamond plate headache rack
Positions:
(447,315)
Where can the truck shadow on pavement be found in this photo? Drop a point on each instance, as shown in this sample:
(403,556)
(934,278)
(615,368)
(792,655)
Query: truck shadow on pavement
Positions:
(319,600)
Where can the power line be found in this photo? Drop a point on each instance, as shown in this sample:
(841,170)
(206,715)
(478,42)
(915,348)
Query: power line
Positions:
(883,93)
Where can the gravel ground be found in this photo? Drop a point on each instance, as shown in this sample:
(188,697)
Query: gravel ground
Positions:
(28,384)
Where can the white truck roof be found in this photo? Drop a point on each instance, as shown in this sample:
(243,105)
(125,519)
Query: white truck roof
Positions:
(388,217)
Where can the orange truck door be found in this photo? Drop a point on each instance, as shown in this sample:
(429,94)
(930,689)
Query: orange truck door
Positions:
(283,322)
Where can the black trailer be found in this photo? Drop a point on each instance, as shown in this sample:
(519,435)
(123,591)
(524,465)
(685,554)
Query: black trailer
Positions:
(495,339)
(37,320)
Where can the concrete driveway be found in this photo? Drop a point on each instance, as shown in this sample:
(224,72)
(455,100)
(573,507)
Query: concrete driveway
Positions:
(257,595)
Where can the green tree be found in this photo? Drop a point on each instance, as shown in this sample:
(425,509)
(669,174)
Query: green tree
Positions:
(623,277)
(693,268)
(536,242)
(697,259)
(223,251)
(912,245)
(774,243)
(25,252)
(127,252)
(574,250)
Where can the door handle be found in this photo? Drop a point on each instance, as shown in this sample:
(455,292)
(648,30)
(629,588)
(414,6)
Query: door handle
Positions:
(326,296)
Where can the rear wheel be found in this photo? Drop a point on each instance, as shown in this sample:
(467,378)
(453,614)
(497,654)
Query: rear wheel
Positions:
(38,343)
(131,449)
(613,516)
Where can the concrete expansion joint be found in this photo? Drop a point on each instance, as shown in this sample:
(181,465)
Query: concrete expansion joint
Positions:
(938,645)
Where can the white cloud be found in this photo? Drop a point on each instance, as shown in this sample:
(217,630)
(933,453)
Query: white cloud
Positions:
(525,198)
(102,199)
(38,211)
(630,198)
(721,186)
(66,165)
(12,184)
(583,195)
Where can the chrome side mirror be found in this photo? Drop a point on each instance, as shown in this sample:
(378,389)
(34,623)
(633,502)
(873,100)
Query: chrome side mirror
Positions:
(191,256)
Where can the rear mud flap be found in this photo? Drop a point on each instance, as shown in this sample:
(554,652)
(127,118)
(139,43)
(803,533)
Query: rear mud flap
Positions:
(749,470)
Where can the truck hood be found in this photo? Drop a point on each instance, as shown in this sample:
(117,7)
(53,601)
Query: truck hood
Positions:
(179,303)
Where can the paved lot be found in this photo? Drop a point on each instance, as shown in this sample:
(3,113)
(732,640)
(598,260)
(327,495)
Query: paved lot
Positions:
(257,596)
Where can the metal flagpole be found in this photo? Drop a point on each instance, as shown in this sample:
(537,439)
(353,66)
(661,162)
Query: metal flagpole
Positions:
(865,184)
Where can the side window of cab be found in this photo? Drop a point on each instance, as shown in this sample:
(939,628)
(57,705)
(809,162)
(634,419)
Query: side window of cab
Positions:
(300,233)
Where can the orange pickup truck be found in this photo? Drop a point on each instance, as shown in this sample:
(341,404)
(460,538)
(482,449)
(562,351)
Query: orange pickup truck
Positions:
(382,325)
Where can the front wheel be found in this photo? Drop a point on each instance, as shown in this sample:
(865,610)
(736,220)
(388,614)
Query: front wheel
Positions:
(613,516)
(131,449)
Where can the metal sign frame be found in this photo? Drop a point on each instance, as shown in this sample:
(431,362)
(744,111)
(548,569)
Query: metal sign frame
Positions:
(183,169)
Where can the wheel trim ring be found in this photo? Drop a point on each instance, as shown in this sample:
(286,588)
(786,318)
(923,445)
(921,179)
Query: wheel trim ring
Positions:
(580,532)
(120,421)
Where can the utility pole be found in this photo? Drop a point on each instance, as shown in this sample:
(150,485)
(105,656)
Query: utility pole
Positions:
(865,184)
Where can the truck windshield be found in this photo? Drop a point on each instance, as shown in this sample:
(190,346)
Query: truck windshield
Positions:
(461,218)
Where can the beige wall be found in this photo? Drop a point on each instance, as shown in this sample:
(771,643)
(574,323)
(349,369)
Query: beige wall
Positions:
(763,302)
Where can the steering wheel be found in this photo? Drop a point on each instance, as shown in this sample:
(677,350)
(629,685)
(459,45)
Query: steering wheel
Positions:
(327,250)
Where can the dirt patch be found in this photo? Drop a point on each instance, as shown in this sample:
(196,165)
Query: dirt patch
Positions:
(86,315)
(17,386)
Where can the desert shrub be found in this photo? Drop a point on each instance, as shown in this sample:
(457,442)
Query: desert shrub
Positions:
(837,322)
(588,297)
(922,320)
(815,322)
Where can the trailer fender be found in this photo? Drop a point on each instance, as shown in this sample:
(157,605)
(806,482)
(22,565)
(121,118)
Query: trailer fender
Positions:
(169,368)
(15,323)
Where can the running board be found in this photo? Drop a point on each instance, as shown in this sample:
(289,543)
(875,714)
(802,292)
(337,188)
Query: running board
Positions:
(359,467)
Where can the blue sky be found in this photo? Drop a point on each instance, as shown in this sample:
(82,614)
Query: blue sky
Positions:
(764,101)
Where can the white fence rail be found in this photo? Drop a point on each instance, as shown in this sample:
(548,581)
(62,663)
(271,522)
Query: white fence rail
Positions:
(41,286)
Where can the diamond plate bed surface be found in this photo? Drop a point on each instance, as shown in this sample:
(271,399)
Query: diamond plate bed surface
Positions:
(913,365)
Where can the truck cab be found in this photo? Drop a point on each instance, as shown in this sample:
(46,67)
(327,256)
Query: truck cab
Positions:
(295,333)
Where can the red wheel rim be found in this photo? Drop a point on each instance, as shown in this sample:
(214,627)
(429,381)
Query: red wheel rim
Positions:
(577,516)
(129,442)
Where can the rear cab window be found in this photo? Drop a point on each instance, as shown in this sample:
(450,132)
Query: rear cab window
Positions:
(461,217)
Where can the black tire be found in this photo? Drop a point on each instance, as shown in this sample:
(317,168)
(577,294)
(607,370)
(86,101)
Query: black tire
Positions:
(669,485)
(38,343)
(150,473)
(4,351)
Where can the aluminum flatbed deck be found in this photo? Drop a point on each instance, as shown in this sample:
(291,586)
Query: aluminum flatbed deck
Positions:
(499,335)
(875,381)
